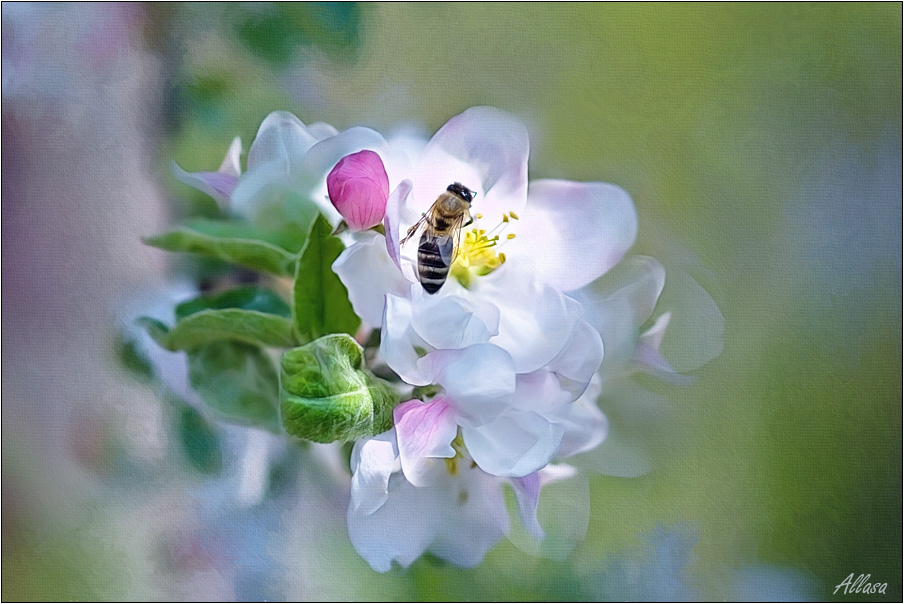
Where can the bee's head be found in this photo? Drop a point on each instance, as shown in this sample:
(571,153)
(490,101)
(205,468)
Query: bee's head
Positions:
(462,191)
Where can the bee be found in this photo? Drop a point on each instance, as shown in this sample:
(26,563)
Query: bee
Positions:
(439,231)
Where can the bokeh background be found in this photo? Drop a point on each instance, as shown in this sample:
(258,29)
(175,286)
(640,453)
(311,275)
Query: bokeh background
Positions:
(762,145)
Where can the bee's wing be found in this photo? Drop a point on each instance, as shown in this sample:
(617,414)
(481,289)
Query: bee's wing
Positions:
(416,230)
(449,249)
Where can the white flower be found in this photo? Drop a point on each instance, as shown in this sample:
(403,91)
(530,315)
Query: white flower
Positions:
(414,490)
(513,340)
(502,337)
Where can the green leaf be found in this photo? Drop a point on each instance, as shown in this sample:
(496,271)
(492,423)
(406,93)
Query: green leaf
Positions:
(157,330)
(235,242)
(131,358)
(274,31)
(325,396)
(289,237)
(321,304)
(199,441)
(231,315)
(248,297)
(236,380)
(248,326)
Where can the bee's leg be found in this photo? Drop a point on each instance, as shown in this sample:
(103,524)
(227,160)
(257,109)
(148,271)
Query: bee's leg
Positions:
(408,234)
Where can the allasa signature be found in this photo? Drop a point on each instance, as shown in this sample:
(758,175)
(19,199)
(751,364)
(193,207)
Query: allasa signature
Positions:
(860,585)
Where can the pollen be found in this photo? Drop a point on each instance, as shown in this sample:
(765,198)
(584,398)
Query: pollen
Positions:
(458,444)
(478,252)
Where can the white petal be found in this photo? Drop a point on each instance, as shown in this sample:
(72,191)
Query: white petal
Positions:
(542,393)
(496,145)
(283,140)
(536,322)
(527,492)
(216,184)
(571,232)
(368,274)
(432,174)
(403,528)
(392,224)
(696,333)
(320,130)
(514,444)
(399,343)
(373,461)
(450,322)
(476,519)
(648,357)
(629,408)
(584,423)
(579,361)
(325,154)
(425,432)
(563,512)
(619,303)
(653,336)
(260,190)
(478,380)
(232,164)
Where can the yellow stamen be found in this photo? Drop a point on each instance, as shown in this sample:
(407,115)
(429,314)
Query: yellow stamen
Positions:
(476,254)
(458,444)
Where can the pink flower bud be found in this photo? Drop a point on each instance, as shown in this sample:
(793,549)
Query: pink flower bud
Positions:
(358,187)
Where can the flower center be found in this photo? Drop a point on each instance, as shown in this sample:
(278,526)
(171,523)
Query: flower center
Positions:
(478,251)
(458,444)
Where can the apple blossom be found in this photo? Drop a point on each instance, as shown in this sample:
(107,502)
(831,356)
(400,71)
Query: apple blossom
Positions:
(508,353)
(444,504)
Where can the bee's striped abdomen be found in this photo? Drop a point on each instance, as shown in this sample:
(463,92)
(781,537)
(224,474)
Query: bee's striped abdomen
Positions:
(431,268)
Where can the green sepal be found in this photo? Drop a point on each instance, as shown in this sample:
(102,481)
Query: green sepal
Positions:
(325,396)
(321,304)
(236,380)
(236,242)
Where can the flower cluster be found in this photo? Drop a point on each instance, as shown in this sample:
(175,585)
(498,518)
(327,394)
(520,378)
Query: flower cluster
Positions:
(487,379)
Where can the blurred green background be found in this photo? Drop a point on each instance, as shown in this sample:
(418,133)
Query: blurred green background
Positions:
(760,143)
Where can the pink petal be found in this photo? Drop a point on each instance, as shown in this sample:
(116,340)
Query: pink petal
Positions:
(358,188)
(424,431)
